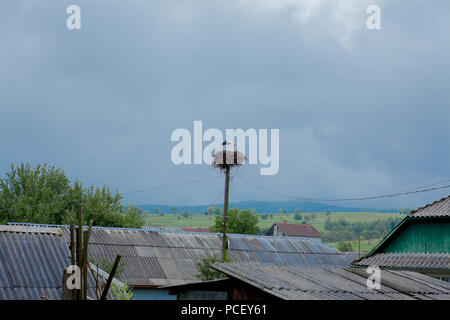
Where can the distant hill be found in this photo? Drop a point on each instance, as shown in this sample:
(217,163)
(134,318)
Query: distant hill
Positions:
(265,207)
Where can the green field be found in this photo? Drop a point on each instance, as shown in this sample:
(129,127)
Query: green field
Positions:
(366,245)
(200,220)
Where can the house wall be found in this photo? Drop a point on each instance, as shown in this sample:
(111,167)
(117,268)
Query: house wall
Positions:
(422,236)
(203,295)
(152,294)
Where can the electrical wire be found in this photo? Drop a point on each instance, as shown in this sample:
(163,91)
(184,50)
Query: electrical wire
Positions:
(391,195)
(126,193)
(171,185)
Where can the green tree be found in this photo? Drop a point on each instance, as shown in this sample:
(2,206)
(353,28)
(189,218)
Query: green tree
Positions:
(328,225)
(404,210)
(185,214)
(44,194)
(297,216)
(133,217)
(106,209)
(297,210)
(205,272)
(106,265)
(121,293)
(241,222)
(344,247)
(281,211)
(214,210)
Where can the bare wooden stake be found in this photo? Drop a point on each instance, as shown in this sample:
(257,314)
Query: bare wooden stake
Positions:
(110,277)
(86,236)
(66,293)
(72,244)
(97,284)
(80,248)
(72,253)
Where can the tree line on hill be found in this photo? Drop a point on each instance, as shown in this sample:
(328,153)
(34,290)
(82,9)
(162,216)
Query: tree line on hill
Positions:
(45,195)
(271,207)
(341,230)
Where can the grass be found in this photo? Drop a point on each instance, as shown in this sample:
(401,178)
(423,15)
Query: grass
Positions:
(366,245)
(200,220)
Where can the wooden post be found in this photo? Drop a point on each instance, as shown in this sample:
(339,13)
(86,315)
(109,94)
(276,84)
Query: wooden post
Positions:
(359,245)
(86,236)
(110,277)
(79,249)
(66,293)
(97,284)
(72,254)
(72,244)
(225,211)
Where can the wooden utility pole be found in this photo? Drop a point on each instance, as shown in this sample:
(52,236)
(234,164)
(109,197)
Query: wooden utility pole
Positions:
(225,211)
(79,241)
(359,245)
(225,161)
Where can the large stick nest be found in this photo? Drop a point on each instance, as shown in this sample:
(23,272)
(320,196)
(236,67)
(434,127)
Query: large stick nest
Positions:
(228,159)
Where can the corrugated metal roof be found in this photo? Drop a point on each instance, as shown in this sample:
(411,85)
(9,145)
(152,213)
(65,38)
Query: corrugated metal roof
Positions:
(30,229)
(439,208)
(294,283)
(157,258)
(408,260)
(32,260)
(195,229)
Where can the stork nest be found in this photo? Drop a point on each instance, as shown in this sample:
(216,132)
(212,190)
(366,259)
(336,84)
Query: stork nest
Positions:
(228,159)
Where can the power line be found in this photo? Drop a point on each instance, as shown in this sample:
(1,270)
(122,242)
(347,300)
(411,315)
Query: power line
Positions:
(126,193)
(172,185)
(217,198)
(391,195)
(428,185)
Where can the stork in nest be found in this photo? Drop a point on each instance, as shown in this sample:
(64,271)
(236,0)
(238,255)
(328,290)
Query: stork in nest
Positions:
(228,158)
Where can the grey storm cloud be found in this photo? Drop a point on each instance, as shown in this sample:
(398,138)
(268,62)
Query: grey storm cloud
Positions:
(360,112)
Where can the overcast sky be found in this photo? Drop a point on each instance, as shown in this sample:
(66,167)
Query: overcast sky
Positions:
(360,112)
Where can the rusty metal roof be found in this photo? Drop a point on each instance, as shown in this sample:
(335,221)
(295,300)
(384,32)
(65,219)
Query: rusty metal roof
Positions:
(439,209)
(154,258)
(437,261)
(32,260)
(294,283)
(299,230)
